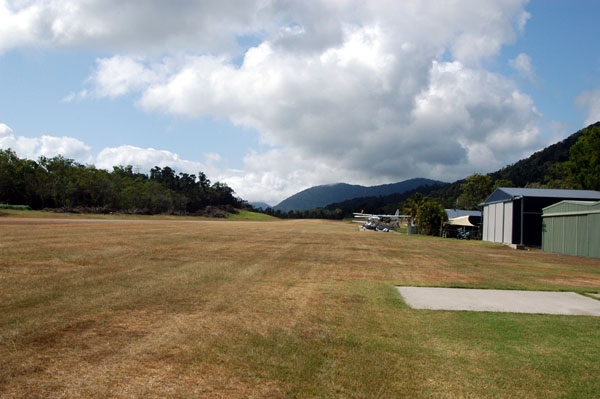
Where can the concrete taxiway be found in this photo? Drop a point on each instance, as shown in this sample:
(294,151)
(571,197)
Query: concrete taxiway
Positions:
(543,302)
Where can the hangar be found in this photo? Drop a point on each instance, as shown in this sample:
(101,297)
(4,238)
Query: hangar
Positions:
(513,215)
(572,227)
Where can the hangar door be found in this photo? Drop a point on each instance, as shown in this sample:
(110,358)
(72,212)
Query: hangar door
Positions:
(497,220)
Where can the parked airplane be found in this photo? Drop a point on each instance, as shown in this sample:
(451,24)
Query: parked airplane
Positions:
(379,222)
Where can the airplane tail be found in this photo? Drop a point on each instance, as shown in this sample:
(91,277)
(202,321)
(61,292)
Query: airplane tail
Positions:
(397,212)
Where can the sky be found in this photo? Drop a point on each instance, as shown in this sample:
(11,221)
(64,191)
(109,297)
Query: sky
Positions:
(272,97)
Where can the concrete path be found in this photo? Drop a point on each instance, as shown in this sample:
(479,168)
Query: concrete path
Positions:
(565,303)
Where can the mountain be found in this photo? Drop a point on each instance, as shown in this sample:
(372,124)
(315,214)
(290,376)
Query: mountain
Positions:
(259,205)
(321,196)
(386,204)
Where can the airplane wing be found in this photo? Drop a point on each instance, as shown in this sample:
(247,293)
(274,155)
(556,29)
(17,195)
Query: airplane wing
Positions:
(370,215)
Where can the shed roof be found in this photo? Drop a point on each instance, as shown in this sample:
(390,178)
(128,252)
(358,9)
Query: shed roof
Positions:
(454,213)
(503,194)
(571,207)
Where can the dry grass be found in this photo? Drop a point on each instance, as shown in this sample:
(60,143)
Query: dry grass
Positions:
(277,309)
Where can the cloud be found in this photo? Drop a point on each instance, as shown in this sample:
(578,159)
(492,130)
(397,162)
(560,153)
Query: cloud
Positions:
(589,101)
(5,131)
(135,26)
(48,146)
(470,28)
(522,64)
(145,159)
(359,111)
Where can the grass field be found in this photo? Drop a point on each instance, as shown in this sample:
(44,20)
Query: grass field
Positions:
(11,211)
(286,309)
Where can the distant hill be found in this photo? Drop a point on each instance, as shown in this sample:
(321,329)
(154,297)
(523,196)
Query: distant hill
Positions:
(259,205)
(321,196)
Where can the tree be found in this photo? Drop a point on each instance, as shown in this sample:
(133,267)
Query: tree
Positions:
(477,188)
(203,180)
(430,217)
(412,205)
(558,177)
(501,183)
(583,165)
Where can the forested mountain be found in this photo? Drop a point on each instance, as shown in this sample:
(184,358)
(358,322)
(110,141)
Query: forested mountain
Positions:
(63,183)
(321,196)
(386,204)
(538,167)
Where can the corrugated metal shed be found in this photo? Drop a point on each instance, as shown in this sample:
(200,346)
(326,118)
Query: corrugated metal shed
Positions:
(572,227)
(513,215)
(503,194)
(456,213)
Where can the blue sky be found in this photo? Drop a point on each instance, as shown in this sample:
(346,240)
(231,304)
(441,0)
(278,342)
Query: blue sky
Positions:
(560,39)
(281,96)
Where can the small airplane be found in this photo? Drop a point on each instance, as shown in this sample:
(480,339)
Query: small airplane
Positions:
(379,222)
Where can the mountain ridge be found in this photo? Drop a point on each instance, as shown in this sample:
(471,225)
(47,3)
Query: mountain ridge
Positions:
(323,195)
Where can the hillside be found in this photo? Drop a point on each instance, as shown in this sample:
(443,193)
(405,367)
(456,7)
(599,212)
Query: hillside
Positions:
(536,168)
(321,196)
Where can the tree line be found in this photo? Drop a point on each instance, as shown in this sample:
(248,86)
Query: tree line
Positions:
(60,182)
(315,213)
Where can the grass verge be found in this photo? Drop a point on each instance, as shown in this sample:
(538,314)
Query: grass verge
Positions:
(252,216)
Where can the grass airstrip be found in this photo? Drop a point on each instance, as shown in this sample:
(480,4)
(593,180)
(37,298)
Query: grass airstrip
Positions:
(277,309)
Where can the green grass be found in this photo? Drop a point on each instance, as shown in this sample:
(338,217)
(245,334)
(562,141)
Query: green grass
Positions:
(252,216)
(286,309)
(18,212)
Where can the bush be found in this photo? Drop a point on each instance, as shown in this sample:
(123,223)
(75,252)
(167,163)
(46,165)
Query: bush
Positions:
(17,207)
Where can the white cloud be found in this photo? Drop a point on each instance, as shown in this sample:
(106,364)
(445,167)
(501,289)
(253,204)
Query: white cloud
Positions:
(145,159)
(119,75)
(589,101)
(522,64)
(5,131)
(369,116)
(138,26)
(48,146)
